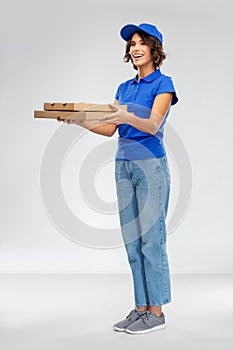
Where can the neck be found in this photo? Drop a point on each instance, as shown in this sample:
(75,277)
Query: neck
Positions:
(144,71)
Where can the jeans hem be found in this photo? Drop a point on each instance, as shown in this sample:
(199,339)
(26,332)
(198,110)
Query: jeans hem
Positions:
(140,305)
(154,304)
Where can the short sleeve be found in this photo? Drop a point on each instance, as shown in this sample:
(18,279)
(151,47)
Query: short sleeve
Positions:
(166,85)
(117,94)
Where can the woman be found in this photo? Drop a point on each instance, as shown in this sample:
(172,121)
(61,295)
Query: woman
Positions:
(142,174)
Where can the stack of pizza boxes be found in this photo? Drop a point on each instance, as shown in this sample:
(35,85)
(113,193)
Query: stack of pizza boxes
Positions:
(79,111)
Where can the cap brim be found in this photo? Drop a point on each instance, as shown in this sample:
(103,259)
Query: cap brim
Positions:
(128,30)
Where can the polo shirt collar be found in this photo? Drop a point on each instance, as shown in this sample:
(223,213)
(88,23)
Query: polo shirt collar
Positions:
(149,78)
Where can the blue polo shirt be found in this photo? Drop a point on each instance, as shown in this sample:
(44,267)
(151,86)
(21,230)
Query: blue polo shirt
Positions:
(139,97)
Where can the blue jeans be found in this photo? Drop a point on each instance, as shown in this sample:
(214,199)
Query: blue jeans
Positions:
(143,188)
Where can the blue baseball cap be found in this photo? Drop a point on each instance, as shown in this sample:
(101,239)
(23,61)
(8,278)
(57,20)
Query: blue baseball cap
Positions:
(128,30)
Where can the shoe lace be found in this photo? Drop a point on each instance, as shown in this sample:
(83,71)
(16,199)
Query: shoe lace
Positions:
(146,316)
(132,312)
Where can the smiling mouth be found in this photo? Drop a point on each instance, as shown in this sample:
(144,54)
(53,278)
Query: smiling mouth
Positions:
(136,56)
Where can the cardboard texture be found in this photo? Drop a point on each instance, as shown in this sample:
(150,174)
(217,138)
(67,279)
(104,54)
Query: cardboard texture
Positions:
(78,106)
(80,111)
(80,116)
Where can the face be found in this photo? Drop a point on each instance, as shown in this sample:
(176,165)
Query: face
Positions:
(140,52)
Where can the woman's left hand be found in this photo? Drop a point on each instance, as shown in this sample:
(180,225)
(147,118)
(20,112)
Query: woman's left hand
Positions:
(120,116)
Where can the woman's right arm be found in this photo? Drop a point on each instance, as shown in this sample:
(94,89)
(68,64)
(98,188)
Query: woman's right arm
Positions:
(96,127)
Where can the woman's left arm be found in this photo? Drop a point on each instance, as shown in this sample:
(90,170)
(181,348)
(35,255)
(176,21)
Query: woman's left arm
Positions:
(151,125)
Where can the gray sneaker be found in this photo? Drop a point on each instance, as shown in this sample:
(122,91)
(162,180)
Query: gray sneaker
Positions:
(133,316)
(148,322)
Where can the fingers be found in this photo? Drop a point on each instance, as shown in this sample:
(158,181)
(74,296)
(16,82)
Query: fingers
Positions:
(108,117)
(113,107)
(68,121)
(59,119)
(111,120)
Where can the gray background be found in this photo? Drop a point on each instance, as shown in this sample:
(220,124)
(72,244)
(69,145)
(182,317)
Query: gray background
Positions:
(72,51)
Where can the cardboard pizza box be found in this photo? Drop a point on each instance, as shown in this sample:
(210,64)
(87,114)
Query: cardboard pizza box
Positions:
(80,116)
(78,106)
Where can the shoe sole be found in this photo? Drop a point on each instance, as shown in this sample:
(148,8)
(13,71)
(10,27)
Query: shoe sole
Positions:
(119,329)
(162,326)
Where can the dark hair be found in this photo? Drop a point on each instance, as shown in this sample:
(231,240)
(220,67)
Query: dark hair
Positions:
(157,52)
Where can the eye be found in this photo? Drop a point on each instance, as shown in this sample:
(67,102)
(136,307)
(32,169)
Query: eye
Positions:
(132,44)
